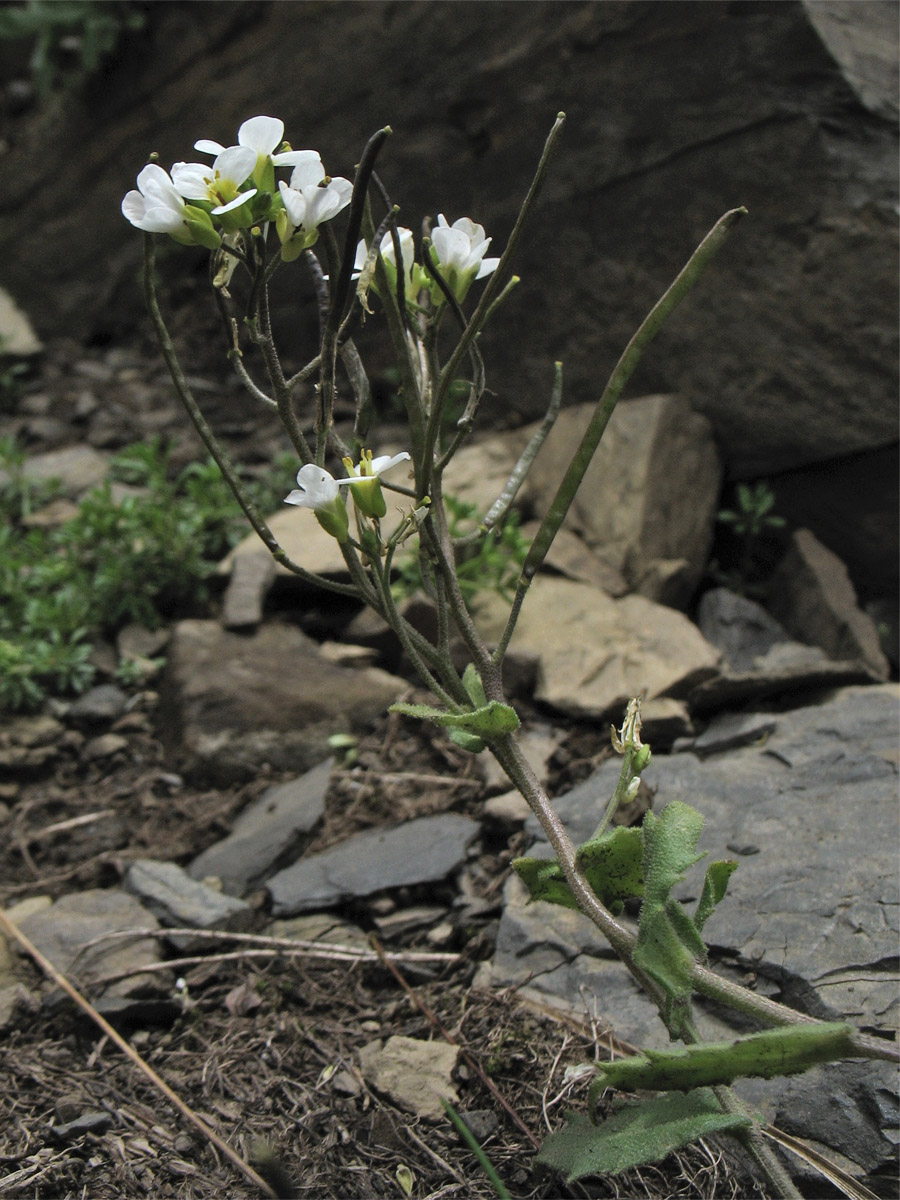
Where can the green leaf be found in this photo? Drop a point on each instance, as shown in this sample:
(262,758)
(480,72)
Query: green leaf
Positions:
(784,1051)
(611,863)
(471,681)
(668,941)
(491,720)
(714,888)
(545,880)
(635,1134)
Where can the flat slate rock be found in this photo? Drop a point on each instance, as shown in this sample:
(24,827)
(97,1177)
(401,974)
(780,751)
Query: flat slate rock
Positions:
(422,851)
(61,930)
(812,910)
(275,826)
(178,900)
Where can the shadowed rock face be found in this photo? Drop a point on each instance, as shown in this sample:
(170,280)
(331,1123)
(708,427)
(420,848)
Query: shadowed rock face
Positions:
(676,112)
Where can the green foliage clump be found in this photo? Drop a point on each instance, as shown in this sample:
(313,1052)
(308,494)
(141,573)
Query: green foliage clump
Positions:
(70,38)
(138,557)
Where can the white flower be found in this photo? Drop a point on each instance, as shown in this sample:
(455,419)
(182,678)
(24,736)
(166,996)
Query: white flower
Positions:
(460,249)
(157,206)
(219,184)
(407,253)
(309,199)
(316,488)
(262,134)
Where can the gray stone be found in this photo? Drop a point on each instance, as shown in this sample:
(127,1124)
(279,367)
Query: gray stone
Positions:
(178,900)
(813,915)
(230,703)
(252,575)
(811,594)
(136,641)
(425,850)
(269,832)
(741,628)
(416,1075)
(98,705)
(104,746)
(728,731)
(630,507)
(28,743)
(570,556)
(77,468)
(62,930)
(595,653)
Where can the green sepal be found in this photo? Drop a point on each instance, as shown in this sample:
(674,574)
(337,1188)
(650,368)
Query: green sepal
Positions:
(489,721)
(783,1051)
(635,1134)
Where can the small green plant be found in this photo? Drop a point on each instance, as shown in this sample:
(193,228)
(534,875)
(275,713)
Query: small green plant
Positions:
(70,38)
(139,558)
(754,515)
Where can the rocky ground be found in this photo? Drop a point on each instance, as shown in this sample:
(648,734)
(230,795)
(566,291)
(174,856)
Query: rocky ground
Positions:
(340,910)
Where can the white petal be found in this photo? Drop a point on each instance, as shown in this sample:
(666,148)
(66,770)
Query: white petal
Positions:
(488,266)
(452,247)
(235,203)
(205,146)
(294,204)
(192,180)
(236,163)
(442,221)
(261,134)
(386,462)
(308,170)
(317,487)
(153,176)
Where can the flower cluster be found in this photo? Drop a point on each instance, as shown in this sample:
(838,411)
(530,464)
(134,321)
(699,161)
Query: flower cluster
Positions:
(457,252)
(197,203)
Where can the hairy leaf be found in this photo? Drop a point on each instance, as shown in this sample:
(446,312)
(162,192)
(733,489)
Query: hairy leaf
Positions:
(491,720)
(714,888)
(611,863)
(783,1051)
(635,1134)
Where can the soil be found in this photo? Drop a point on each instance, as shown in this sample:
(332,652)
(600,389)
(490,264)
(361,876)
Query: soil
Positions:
(264,1050)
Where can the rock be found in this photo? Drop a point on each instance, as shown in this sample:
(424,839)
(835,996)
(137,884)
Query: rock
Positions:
(570,556)
(425,850)
(17,1004)
(414,1074)
(135,641)
(739,627)
(811,594)
(812,914)
(78,469)
(271,831)
(664,720)
(537,744)
(29,743)
(595,653)
(728,731)
(104,746)
(507,812)
(252,574)
(320,927)
(167,891)
(481,469)
(99,705)
(864,50)
(61,931)
(16,334)
(630,507)
(228,703)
